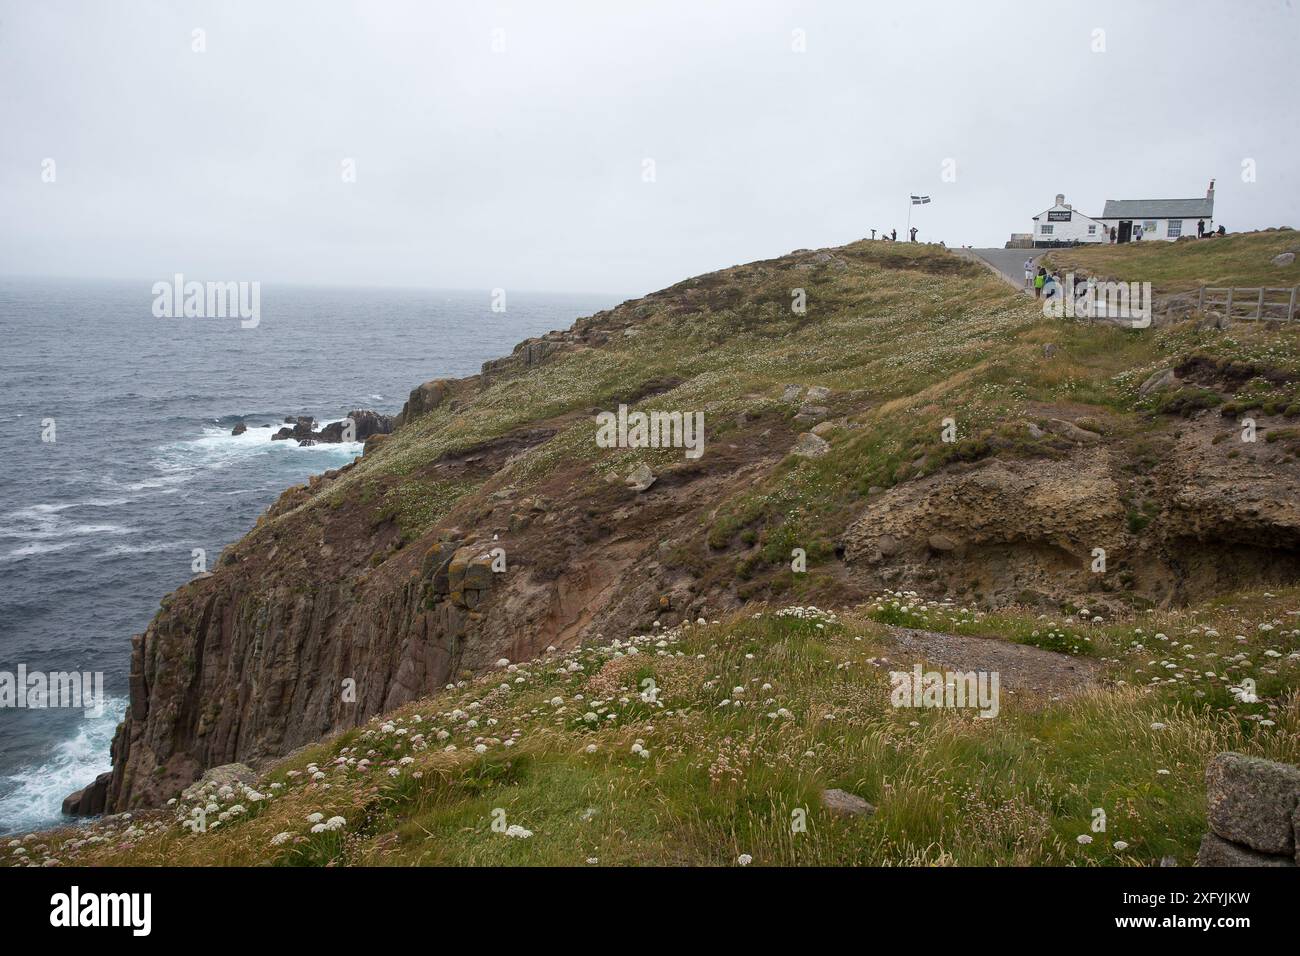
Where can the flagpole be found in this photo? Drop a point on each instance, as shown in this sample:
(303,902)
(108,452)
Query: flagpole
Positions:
(909,217)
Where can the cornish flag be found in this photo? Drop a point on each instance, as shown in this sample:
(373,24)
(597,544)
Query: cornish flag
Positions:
(920,200)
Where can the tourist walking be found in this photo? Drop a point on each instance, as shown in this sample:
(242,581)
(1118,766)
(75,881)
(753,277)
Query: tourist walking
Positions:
(1029,271)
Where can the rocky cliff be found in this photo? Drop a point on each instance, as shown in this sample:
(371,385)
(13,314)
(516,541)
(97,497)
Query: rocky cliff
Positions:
(916,424)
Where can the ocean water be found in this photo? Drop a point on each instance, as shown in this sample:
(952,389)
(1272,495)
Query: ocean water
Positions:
(99,524)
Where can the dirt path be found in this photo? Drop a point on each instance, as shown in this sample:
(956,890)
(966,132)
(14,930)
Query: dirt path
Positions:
(1021,668)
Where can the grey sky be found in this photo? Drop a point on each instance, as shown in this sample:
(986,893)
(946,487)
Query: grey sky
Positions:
(524,168)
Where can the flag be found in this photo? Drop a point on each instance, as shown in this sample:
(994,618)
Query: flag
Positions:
(920,200)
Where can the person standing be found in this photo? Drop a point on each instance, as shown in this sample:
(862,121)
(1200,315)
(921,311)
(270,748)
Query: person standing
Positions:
(1200,229)
(1137,232)
(1029,271)
(1038,281)
(914,233)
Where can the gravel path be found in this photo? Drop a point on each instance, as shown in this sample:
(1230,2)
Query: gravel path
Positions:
(1020,667)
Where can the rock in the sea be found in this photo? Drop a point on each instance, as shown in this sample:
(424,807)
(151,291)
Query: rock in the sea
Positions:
(282,434)
(239,429)
(641,478)
(809,445)
(843,803)
(90,800)
(364,424)
(1251,800)
(1216,851)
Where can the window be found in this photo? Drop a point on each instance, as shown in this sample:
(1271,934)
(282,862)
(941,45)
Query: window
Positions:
(1092,230)
(1046,230)
(1149,226)
(1175,228)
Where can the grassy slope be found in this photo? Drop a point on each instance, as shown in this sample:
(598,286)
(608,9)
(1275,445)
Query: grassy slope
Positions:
(1241,260)
(904,334)
(906,337)
(723,780)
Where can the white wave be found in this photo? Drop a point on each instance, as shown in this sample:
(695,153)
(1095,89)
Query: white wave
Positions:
(218,448)
(33,796)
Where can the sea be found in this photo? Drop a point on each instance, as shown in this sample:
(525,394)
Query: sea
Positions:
(119,462)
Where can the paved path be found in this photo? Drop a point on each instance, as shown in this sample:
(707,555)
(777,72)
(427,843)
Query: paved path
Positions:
(1008,263)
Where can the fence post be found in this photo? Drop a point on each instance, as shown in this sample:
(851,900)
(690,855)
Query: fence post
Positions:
(1259,310)
(1290,309)
(1227,312)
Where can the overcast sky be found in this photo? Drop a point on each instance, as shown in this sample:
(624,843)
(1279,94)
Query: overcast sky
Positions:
(525,167)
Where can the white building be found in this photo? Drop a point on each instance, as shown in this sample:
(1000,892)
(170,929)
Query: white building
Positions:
(1164,219)
(1062,223)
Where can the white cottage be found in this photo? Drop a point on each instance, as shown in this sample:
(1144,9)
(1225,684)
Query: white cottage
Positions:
(1062,223)
(1165,219)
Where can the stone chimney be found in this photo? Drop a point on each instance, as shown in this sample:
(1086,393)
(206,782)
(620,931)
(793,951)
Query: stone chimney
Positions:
(1209,193)
(1060,199)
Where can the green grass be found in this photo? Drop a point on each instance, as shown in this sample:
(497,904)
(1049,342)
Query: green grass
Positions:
(1240,260)
(723,780)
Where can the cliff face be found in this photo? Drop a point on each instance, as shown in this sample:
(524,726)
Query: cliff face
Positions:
(490,524)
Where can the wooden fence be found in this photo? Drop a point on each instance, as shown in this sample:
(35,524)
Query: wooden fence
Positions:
(1257,303)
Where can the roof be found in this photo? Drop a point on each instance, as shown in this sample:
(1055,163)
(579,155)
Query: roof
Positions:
(1158,209)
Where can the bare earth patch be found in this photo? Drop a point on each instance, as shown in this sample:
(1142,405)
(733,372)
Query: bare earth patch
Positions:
(1021,668)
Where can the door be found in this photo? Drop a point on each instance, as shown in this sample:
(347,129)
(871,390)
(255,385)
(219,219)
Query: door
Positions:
(1125,230)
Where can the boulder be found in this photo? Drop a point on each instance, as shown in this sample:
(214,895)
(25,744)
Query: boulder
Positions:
(1285,259)
(818,393)
(1216,851)
(1251,800)
(422,400)
(1072,431)
(640,478)
(791,393)
(809,445)
(941,542)
(844,804)
(469,576)
(1164,378)
(811,412)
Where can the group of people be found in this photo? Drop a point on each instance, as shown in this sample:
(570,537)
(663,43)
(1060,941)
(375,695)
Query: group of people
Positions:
(892,235)
(1138,230)
(1044,282)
